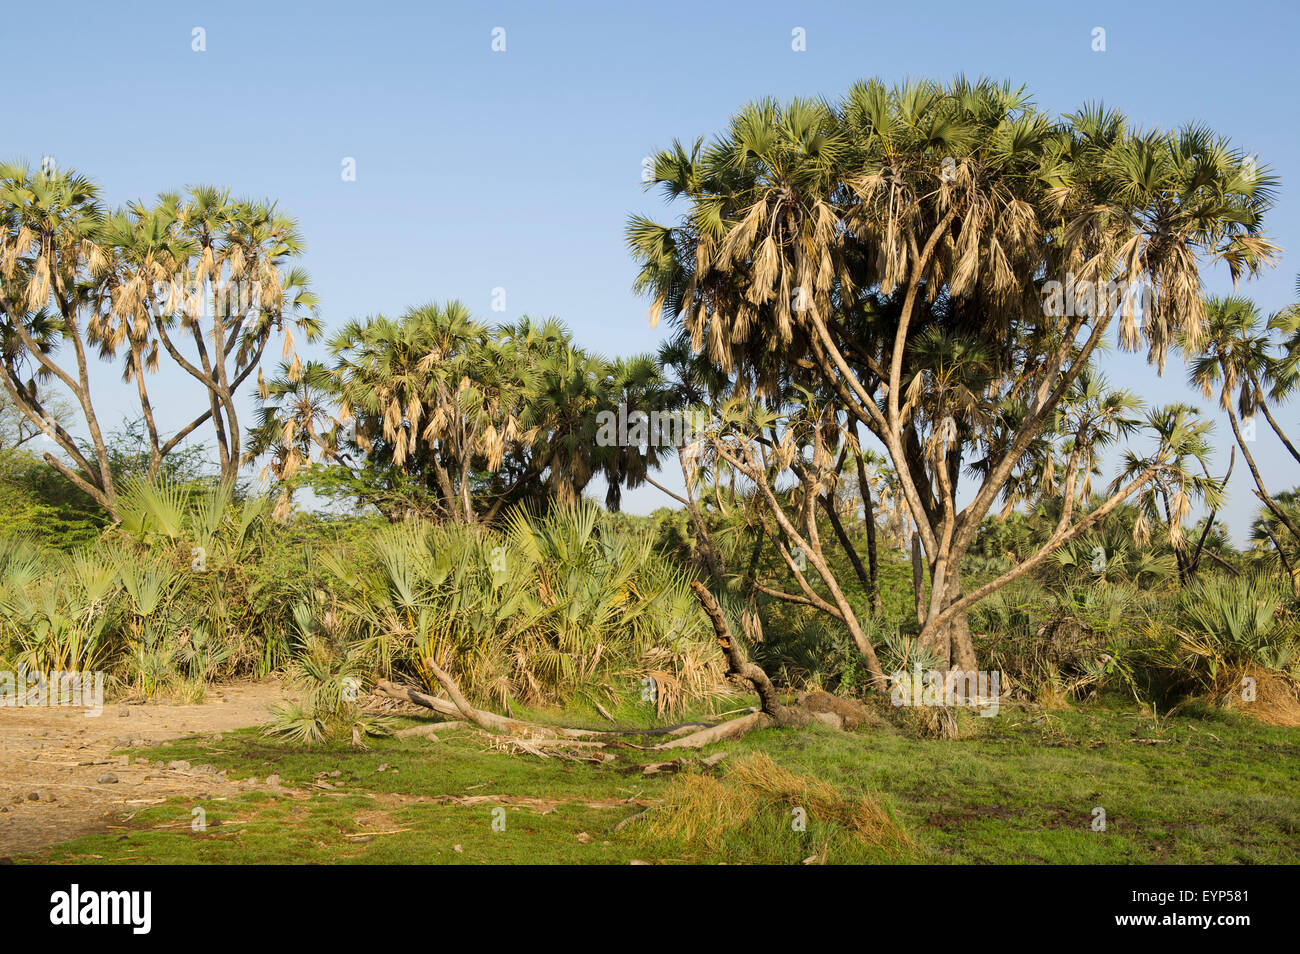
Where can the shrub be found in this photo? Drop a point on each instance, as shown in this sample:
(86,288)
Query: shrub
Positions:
(539,612)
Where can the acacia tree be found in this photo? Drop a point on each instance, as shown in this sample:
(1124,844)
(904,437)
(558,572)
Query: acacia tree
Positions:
(896,249)
(16,430)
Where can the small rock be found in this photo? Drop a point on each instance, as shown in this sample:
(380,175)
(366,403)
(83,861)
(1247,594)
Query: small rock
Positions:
(124,760)
(108,778)
(457,848)
(382,768)
(273,780)
(33,796)
(180,765)
(218,737)
(141,760)
(336,773)
(123,711)
(584,838)
(205,769)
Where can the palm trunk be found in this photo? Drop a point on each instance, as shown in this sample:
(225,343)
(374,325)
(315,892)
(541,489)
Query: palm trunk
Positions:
(828,504)
(951,642)
(918,579)
(869,515)
(1262,491)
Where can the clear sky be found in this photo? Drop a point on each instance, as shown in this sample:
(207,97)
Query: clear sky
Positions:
(478,170)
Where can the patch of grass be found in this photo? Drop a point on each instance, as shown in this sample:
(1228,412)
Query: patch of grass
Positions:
(1196,785)
(762,812)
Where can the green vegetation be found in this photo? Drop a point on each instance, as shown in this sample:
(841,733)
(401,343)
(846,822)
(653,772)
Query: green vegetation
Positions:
(883,389)
(1194,786)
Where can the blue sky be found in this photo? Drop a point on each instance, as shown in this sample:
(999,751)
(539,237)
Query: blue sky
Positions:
(517,169)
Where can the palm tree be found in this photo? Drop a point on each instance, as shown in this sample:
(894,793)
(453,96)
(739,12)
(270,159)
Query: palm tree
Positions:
(1237,357)
(637,385)
(1283,370)
(243,253)
(50,223)
(486,417)
(855,244)
(569,394)
(1182,477)
(294,424)
(418,391)
(146,255)
(1267,531)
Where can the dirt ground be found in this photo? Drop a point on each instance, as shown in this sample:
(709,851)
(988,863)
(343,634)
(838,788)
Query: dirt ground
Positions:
(58,779)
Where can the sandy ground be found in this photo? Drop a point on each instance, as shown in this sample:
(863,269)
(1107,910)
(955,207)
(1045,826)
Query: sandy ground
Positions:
(59,781)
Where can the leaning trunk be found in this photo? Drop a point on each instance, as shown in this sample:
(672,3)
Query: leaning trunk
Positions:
(869,515)
(918,579)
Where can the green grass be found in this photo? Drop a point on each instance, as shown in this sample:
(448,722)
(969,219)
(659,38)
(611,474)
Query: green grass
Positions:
(1197,786)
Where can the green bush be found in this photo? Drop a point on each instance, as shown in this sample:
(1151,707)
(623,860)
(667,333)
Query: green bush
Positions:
(539,612)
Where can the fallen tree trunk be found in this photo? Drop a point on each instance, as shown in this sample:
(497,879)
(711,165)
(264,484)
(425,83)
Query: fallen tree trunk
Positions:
(488,721)
(492,722)
(731,729)
(771,711)
(744,671)
(433,728)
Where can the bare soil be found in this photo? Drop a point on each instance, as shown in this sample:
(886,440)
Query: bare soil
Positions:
(59,779)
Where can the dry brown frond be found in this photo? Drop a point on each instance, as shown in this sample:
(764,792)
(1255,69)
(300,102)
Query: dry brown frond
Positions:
(1277,697)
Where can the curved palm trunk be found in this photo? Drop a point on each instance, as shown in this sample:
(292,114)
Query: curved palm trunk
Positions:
(1261,490)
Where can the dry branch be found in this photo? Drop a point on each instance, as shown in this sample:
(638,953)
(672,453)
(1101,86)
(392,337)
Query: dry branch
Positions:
(432,728)
(732,729)
(527,736)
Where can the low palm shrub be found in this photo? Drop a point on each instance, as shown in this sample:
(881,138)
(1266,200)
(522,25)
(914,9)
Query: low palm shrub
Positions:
(1225,626)
(159,601)
(543,611)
